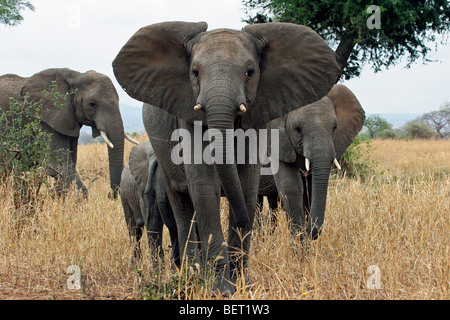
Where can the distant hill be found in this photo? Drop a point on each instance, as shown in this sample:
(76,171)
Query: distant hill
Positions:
(132,118)
(397,119)
(132,121)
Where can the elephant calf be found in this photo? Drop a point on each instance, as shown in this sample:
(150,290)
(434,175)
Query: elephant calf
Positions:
(145,202)
(311,139)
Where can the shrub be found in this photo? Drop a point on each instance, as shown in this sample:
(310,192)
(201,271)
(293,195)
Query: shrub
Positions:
(388,134)
(376,124)
(25,148)
(418,130)
(355,162)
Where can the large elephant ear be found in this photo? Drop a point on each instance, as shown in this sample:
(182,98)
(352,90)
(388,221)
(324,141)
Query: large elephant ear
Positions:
(139,162)
(350,117)
(53,89)
(297,67)
(286,150)
(154,67)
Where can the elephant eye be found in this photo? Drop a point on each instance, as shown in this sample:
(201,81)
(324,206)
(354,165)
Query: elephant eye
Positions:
(334,128)
(195,72)
(250,72)
(92,104)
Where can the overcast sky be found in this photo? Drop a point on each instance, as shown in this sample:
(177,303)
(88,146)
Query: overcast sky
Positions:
(87,35)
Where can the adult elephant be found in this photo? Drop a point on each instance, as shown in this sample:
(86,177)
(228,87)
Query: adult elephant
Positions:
(84,99)
(310,140)
(145,203)
(224,79)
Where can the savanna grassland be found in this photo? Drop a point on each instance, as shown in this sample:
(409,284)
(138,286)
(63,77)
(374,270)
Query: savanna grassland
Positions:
(386,236)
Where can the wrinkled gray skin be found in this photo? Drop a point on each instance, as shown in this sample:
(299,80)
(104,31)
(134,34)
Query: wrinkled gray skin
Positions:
(145,202)
(92,101)
(321,132)
(174,66)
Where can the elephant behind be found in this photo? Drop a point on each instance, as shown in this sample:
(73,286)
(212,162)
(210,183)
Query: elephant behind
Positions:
(145,202)
(310,141)
(9,88)
(87,99)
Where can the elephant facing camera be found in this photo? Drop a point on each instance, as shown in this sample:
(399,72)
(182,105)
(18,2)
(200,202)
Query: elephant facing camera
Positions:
(312,138)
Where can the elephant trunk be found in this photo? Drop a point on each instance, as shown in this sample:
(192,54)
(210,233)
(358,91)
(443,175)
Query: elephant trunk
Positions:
(320,170)
(115,133)
(115,166)
(221,117)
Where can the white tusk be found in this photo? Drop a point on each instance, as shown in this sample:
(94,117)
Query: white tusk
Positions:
(105,137)
(307,163)
(243,108)
(131,139)
(336,163)
(197,107)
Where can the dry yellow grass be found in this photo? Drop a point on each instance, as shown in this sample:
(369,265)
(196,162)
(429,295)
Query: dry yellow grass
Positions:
(397,220)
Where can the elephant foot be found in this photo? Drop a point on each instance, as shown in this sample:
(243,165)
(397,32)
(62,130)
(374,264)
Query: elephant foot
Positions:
(241,279)
(63,187)
(239,272)
(223,288)
(217,278)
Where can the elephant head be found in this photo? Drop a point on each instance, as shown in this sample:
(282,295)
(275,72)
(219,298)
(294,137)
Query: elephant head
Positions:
(314,136)
(83,99)
(226,77)
(140,156)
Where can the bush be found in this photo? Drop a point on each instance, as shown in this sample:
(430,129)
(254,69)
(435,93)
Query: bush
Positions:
(25,148)
(355,162)
(376,124)
(388,134)
(418,130)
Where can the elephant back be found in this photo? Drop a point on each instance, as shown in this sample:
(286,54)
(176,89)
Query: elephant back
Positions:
(10,85)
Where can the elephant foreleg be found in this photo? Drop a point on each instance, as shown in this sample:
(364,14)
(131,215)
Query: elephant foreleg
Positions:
(205,191)
(168,218)
(134,230)
(154,226)
(183,213)
(239,239)
(291,188)
(62,163)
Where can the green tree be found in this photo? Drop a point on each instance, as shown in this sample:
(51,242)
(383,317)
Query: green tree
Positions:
(439,120)
(376,124)
(356,162)
(404,31)
(25,150)
(388,134)
(418,130)
(10,11)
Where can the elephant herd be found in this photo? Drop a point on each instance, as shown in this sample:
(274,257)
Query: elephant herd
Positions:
(275,76)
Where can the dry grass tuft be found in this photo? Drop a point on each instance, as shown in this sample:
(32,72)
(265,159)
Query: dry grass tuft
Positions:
(397,220)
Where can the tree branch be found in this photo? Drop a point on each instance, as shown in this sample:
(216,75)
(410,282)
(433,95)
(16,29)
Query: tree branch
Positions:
(344,50)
